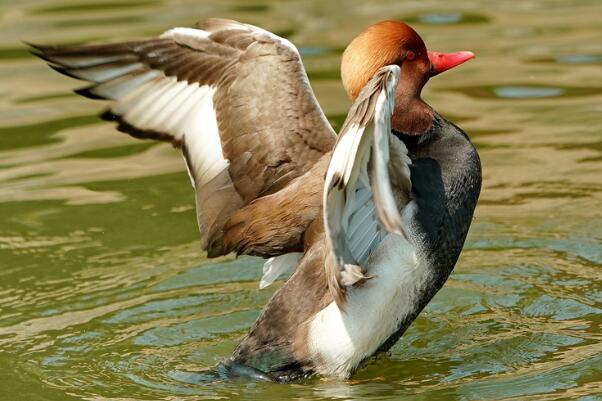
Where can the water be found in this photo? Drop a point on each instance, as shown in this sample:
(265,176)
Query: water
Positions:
(105,295)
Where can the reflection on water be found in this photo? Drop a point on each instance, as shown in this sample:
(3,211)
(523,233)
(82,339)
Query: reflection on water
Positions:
(104,294)
(446,18)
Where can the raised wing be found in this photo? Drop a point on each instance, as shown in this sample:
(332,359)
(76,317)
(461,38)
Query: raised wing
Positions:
(367,184)
(234,97)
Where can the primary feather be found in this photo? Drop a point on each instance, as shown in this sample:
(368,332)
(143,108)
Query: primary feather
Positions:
(361,203)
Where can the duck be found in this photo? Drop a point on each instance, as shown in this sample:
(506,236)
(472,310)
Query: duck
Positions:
(370,222)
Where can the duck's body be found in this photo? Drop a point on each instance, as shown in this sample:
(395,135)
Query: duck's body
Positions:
(373,221)
(302,330)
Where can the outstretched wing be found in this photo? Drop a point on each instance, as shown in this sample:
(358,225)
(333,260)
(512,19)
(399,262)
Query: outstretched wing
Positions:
(367,184)
(234,97)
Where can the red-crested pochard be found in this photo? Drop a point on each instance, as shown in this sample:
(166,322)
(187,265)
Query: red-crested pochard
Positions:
(372,221)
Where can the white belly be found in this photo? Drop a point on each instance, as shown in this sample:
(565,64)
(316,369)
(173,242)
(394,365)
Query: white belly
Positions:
(340,340)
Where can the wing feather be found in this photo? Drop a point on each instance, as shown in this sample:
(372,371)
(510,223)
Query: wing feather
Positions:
(361,203)
(233,96)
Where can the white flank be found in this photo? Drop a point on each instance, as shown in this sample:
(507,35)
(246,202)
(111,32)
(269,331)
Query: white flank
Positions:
(340,339)
(373,311)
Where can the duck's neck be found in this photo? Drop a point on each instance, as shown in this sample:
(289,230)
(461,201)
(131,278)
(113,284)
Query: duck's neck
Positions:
(412,116)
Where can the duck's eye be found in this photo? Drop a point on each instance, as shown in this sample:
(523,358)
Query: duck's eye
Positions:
(410,56)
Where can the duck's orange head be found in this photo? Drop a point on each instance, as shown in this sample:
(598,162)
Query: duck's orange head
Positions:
(393,42)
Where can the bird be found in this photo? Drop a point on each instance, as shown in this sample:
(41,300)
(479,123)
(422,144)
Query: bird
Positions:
(369,223)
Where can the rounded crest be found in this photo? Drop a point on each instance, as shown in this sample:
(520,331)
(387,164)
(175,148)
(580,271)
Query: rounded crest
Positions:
(381,44)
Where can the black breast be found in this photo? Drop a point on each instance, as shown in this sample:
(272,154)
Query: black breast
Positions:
(446,182)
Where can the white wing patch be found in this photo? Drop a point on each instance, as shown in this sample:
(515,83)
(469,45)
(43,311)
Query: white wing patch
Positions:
(152,102)
(277,266)
(101,73)
(363,232)
(127,85)
(360,205)
(385,202)
(185,112)
(201,135)
(185,35)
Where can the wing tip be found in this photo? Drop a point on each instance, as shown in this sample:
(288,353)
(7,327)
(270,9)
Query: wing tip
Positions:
(45,52)
(37,47)
(88,92)
(42,55)
(108,115)
(63,71)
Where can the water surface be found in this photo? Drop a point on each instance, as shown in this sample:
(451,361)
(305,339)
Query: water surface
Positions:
(104,294)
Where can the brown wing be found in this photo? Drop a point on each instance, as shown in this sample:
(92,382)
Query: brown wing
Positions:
(235,98)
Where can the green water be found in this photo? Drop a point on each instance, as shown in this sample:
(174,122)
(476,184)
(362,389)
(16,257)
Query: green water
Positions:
(104,294)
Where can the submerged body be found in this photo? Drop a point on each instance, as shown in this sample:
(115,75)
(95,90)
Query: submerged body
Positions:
(372,222)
